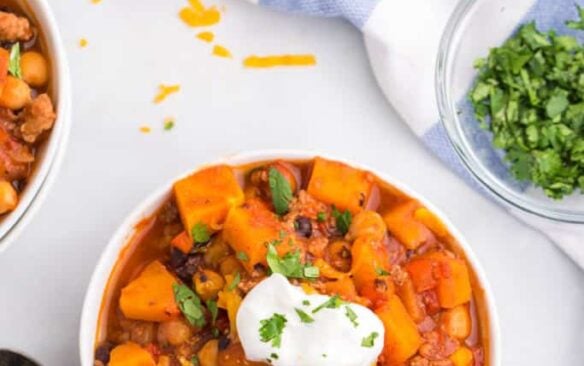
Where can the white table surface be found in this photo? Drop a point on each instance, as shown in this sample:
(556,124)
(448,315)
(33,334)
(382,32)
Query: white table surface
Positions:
(335,107)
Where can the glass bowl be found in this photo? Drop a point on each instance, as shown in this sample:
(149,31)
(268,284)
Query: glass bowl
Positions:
(474,28)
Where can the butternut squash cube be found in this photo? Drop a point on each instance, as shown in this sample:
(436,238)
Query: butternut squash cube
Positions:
(150,296)
(340,185)
(454,286)
(401,223)
(130,354)
(402,338)
(206,197)
(249,228)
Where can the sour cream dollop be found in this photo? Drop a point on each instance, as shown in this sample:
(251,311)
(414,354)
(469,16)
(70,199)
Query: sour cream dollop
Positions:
(335,337)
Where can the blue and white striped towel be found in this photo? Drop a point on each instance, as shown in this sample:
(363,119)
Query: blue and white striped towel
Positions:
(402,39)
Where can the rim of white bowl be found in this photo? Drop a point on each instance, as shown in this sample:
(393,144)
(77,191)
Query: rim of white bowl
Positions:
(108,259)
(45,173)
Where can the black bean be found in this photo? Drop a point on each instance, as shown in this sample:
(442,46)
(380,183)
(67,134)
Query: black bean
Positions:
(193,263)
(303,226)
(223,343)
(102,353)
(177,258)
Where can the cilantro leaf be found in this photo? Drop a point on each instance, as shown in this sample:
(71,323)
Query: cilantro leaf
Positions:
(213,309)
(281,191)
(242,256)
(290,265)
(200,233)
(189,304)
(334,302)
(236,280)
(14,61)
(577,24)
(321,217)
(369,341)
(343,220)
(271,329)
(349,313)
(305,318)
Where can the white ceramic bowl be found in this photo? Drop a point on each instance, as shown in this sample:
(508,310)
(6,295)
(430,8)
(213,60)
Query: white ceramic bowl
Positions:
(52,151)
(113,251)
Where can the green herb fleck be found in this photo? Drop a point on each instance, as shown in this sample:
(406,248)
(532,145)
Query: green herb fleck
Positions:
(189,304)
(168,125)
(281,191)
(343,220)
(349,313)
(305,318)
(321,217)
(14,61)
(381,272)
(289,265)
(334,302)
(369,341)
(274,356)
(271,329)
(195,360)
(212,307)
(242,256)
(200,233)
(305,302)
(234,282)
(577,24)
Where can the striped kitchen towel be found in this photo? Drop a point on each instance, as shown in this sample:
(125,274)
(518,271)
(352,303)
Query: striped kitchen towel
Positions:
(402,39)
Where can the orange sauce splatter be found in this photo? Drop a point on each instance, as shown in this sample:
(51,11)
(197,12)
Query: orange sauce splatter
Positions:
(206,36)
(279,60)
(197,15)
(83,43)
(221,51)
(145,129)
(164,91)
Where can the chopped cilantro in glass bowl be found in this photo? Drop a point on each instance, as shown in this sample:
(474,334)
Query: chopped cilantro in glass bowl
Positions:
(526,171)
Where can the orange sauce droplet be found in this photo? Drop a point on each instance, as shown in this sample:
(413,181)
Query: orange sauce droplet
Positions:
(206,36)
(83,43)
(197,15)
(221,51)
(279,60)
(164,91)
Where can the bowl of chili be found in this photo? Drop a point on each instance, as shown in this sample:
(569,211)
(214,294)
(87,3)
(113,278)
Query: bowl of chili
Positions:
(168,287)
(34,111)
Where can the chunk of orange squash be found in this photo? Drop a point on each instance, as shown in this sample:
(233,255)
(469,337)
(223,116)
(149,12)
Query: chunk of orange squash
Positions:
(130,354)
(206,197)
(462,357)
(402,339)
(401,223)
(339,184)
(150,296)
(249,229)
(370,269)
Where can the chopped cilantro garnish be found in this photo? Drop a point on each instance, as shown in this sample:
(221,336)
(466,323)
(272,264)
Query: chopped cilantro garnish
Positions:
(195,360)
(334,302)
(381,272)
(274,356)
(369,341)
(528,94)
(168,124)
(212,307)
(281,191)
(343,220)
(305,318)
(321,217)
(189,304)
(14,61)
(305,302)
(234,282)
(200,233)
(242,256)
(349,313)
(271,329)
(289,265)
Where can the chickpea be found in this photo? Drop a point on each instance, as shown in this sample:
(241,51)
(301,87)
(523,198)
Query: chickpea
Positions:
(208,355)
(8,197)
(208,284)
(174,332)
(35,70)
(367,223)
(164,361)
(217,250)
(230,265)
(142,332)
(16,94)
